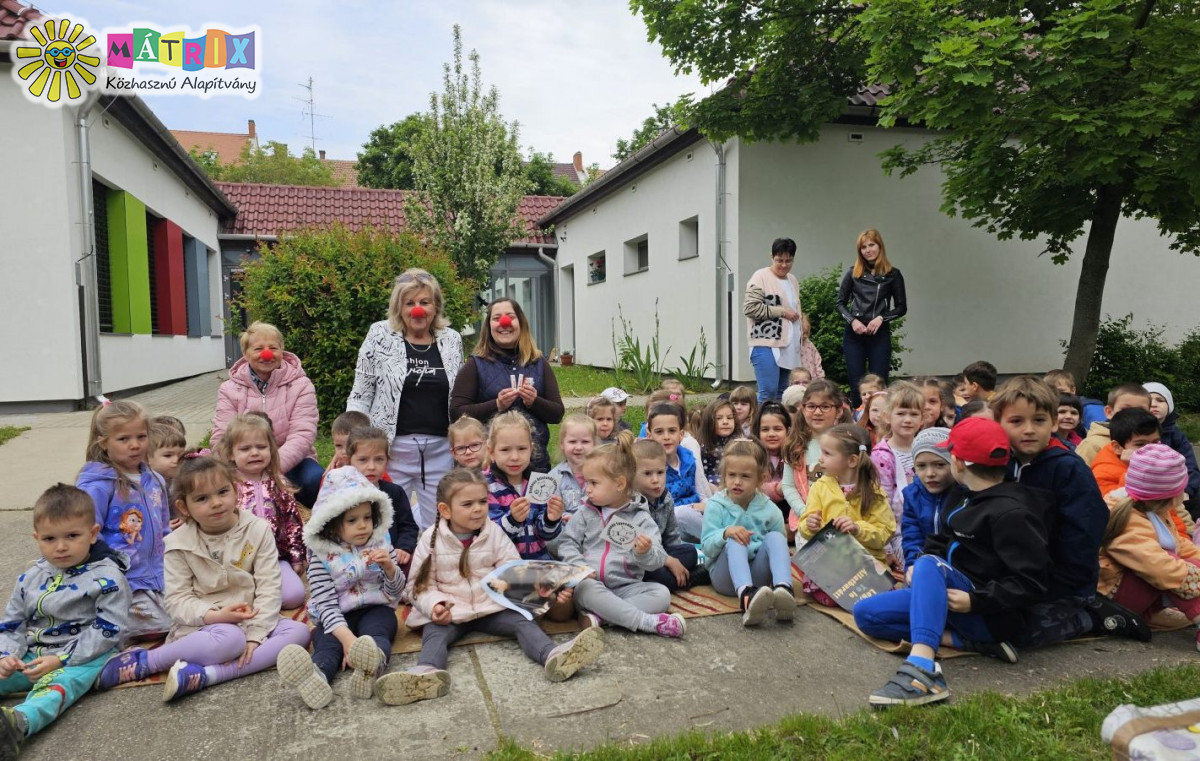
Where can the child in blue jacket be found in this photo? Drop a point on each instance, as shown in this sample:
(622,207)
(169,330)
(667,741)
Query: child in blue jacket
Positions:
(924,497)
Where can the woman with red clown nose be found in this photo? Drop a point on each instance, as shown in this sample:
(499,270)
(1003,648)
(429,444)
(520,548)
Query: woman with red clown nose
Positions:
(508,372)
(406,368)
(271,380)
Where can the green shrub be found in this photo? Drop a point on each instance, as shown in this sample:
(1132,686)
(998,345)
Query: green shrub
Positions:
(818,299)
(1126,354)
(324,289)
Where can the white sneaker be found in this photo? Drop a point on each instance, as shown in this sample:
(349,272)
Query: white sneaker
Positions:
(297,670)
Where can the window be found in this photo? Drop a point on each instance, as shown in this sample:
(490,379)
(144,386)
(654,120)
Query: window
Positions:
(596,267)
(151,224)
(637,255)
(689,238)
(103,274)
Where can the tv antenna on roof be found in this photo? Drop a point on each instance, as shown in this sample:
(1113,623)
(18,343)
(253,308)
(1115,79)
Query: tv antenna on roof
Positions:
(308,111)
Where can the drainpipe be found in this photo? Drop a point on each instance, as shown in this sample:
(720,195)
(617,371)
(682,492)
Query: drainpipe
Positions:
(85,267)
(719,268)
(541,254)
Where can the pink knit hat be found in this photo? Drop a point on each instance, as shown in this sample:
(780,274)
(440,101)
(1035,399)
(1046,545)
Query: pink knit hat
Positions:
(1156,472)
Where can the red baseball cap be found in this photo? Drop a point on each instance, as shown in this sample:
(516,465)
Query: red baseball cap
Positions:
(978,441)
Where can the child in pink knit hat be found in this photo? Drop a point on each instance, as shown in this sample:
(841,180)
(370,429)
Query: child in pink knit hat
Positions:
(1143,558)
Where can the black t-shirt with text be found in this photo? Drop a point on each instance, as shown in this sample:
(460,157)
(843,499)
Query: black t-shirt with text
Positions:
(425,400)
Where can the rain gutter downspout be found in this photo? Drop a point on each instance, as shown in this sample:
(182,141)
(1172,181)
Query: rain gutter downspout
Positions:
(86,275)
(719,269)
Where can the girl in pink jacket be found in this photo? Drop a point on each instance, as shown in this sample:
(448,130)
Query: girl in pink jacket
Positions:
(448,598)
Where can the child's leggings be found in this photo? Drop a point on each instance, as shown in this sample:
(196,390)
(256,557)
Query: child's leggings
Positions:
(54,692)
(294,593)
(219,646)
(1143,599)
(632,606)
(375,621)
(436,639)
(690,522)
(919,613)
(772,565)
(685,554)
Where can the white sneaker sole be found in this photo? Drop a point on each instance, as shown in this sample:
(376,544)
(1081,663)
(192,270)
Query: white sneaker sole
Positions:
(365,659)
(403,687)
(759,606)
(584,650)
(297,671)
(785,604)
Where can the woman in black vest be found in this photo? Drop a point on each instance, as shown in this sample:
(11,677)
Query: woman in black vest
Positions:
(871,296)
(507,372)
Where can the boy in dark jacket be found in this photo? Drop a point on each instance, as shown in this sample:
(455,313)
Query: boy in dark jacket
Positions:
(1162,404)
(988,558)
(1025,407)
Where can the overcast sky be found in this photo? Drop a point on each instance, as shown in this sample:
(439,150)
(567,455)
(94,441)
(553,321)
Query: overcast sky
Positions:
(576,74)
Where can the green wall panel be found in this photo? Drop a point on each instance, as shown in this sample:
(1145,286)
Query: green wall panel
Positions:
(129,267)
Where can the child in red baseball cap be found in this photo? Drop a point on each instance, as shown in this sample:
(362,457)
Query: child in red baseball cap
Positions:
(986,558)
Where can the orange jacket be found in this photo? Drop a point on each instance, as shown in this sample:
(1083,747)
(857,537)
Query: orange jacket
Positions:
(1109,470)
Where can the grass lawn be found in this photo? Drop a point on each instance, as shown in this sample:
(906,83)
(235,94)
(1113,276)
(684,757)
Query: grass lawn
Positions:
(585,380)
(1058,723)
(10,432)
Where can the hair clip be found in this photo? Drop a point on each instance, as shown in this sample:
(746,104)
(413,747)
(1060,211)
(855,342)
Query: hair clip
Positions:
(198,453)
(862,447)
(104,400)
(673,397)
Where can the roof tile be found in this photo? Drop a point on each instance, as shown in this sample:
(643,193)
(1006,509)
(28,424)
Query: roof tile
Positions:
(15,20)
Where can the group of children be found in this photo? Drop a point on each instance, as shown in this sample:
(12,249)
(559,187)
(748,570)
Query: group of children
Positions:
(998,522)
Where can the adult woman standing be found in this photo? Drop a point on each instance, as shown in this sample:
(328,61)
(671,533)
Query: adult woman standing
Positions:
(271,380)
(870,297)
(772,309)
(506,372)
(406,367)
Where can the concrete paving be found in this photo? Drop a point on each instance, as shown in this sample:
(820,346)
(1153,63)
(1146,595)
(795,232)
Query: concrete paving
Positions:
(721,677)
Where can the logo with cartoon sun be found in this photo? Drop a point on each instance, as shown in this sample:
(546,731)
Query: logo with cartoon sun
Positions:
(61,69)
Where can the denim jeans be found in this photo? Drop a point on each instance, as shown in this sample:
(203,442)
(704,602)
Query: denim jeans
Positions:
(772,379)
(863,352)
(307,475)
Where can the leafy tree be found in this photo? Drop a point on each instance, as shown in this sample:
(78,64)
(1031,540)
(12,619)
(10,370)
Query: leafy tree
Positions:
(1056,118)
(386,159)
(652,127)
(466,171)
(271,164)
(539,170)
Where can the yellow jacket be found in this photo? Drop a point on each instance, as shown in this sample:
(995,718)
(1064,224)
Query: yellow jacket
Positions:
(875,527)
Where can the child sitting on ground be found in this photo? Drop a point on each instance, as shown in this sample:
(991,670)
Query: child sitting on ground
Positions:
(773,426)
(1066,421)
(849,497)
(926,496)
(601,410)
(367,451)
(893,455)
(819,409)
(870,384)
(249,445)
(343,424)
(876,420)
(529,525)
(355,585)
(746,539)
(131,507)
(745,408)
(718,426)
(680,569)
(576,437)
(164,448)
(799,376)
(468,438)
(619,398)
(987,560)
(618,594)
(1142,559)
(688,488)
(1120,398)
(1162,404)
(1129,430)
(448,600)
(223,591)
(979,381)
(55,636)
(938,411)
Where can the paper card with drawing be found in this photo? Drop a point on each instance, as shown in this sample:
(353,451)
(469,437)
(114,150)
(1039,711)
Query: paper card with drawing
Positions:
(620,533)
(542,487)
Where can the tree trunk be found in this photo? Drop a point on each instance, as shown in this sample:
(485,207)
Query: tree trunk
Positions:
(1090,293)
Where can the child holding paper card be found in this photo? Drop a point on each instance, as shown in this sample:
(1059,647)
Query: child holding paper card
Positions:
(528,524)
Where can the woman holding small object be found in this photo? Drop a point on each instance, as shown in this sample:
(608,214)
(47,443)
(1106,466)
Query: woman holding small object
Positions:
(507,372)
(406,367)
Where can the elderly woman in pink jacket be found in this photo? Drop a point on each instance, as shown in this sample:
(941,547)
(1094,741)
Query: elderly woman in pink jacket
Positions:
(271,380)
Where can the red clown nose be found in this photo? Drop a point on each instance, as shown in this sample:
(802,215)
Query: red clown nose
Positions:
(418,312)
(505,321)
(266,355)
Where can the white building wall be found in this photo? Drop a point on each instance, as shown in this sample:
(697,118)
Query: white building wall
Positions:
(140,360)
(970,295)
(684,186)
(39,196)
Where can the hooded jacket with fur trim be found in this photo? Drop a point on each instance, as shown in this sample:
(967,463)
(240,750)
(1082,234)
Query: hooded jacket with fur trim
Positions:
(339,578)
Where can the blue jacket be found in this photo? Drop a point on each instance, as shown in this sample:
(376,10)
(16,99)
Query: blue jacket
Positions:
(920,518)
(1175,439)
(133,523)
(1093,412)
(682,482)
(1080,517)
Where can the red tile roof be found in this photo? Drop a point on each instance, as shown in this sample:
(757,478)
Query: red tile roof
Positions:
(15,19)
(228,145)
(344,171)
(274,209)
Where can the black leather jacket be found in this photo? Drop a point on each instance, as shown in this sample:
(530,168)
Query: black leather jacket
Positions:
(872,296)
